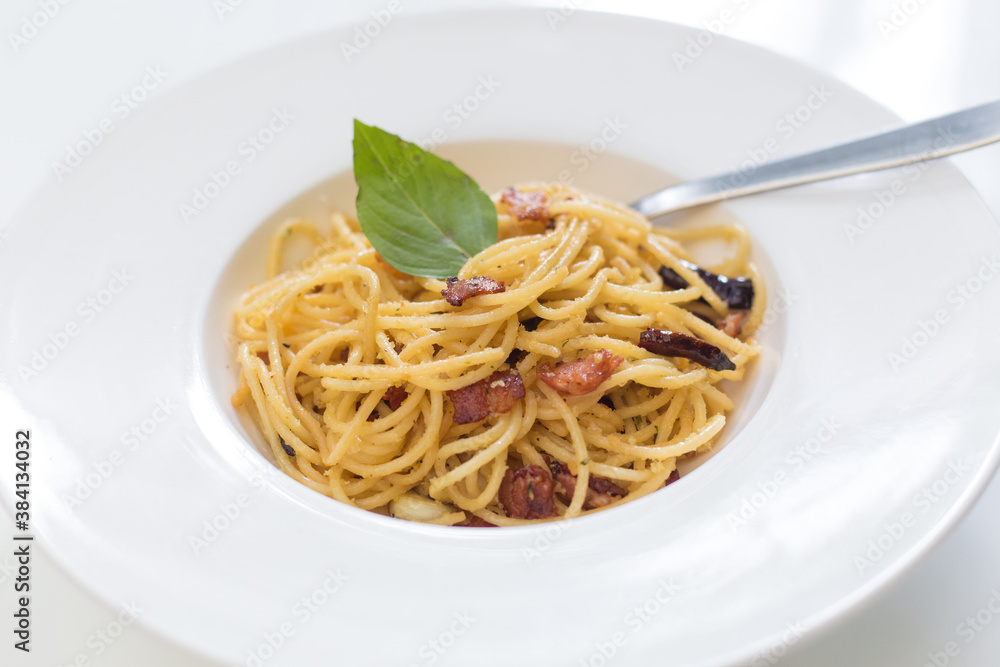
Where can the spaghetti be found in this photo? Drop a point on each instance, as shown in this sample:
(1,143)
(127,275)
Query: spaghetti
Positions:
(361,378)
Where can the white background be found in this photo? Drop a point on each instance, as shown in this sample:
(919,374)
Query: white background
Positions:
(920,58)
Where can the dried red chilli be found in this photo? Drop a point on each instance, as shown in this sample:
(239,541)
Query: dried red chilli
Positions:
(737,293)
(675,344)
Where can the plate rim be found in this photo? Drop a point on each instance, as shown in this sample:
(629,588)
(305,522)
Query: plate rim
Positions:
(849,604)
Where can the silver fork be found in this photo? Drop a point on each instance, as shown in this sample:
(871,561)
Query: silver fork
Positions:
(927,140)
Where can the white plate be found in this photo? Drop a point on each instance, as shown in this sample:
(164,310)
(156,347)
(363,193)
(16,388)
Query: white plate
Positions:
(851,464)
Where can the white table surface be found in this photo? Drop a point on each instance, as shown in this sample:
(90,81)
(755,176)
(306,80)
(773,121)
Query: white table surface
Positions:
(919,58)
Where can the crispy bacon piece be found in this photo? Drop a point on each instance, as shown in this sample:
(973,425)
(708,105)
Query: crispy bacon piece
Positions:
(565,480)
(474,521)
(600,491)
(394,397)
(526,493)
(732,324)
(674,344)
(458,291)
(674,476)
(526,205)
(580,376)
(477,401)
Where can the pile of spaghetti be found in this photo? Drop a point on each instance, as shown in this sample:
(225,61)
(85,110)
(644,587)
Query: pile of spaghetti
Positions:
(565,370)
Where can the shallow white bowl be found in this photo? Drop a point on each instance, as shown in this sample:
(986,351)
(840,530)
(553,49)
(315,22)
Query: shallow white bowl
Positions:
(874,422)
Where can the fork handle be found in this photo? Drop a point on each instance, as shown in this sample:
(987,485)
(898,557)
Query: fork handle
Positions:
(927,140)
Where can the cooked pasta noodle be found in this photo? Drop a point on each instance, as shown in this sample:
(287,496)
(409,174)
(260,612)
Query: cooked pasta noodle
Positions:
(321,344)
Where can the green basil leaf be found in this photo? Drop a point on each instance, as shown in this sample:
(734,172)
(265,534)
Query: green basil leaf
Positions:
(421,213)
